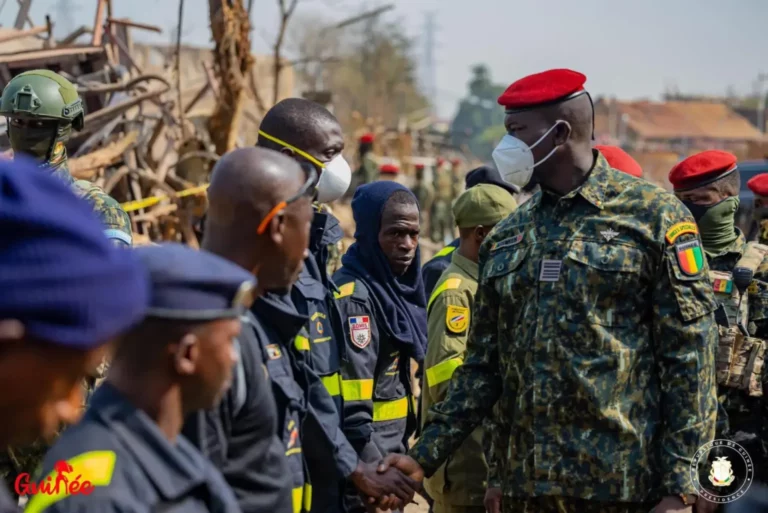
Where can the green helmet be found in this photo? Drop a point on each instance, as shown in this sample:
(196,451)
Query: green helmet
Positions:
(42,94)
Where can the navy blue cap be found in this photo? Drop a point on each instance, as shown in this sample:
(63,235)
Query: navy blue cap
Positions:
(195,285)
(59,275)
(486,174)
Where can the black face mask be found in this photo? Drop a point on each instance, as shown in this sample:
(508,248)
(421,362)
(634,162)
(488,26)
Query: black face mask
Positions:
(697,210)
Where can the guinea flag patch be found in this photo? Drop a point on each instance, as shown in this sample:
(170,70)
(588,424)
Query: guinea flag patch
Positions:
(690,257)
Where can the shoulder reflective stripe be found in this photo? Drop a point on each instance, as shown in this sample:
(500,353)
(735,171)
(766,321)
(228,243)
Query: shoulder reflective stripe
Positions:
(443,371)
(301,343)
(451,284)
(291,452)
(445,251)
(95,466)
(332,384)
(345,290)
(307,497)
(119,235)
(357,389)
(390,410)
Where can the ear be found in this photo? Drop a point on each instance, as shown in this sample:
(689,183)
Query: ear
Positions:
(288,152)
(187,355)
(562,133)
(11,330)
(480,233)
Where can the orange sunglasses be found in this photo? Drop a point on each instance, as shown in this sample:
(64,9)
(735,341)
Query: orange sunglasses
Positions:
(306,189)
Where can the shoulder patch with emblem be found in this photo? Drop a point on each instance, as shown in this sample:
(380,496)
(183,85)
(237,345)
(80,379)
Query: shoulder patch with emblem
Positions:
(360,330)
(457,318)
(680,229)
(273,351)
(690,257)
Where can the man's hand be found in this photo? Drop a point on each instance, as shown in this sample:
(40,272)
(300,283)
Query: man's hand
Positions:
(390,489)
(492,501)
(404,464)
(672,505)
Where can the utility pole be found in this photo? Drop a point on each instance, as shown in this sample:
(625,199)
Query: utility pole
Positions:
(430,79)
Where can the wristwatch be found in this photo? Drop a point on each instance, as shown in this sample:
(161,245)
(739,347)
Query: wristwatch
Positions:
(688,499)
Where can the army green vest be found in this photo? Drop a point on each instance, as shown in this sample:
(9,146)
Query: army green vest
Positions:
(739,357)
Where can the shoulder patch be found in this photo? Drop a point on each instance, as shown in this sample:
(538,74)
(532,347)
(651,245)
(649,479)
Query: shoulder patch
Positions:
(457,318)
(680,229)
(345,290)
(360,330)
(273,352)
(690,257)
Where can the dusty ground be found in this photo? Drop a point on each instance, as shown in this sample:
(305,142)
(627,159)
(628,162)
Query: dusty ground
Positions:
(420,507)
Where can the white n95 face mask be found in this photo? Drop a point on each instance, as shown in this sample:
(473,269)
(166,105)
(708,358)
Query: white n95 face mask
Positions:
(334,180)
(514,158)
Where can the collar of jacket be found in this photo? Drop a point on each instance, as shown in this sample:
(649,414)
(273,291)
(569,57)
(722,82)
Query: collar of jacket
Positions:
(465,264)
(276,311)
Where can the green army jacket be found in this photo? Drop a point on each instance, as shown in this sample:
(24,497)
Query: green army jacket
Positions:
(594,330)
(461,481)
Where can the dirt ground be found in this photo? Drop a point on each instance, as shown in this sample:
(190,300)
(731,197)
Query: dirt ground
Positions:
(421,506)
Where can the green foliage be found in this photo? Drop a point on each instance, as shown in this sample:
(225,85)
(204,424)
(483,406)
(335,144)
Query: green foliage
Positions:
(479,123)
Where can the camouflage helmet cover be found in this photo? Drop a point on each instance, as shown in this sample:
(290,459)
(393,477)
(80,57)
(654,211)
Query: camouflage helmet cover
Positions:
(42,94)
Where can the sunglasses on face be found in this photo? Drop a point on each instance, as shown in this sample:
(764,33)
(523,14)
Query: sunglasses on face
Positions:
(308,189)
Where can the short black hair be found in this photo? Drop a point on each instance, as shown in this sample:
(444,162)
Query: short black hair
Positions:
(295,121)
(402,198)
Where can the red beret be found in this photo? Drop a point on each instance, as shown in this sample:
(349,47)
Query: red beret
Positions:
(419,166)
(366,138)
(440,161)
(543,88)
(620,159)
(455,162)
(759,184)
(389,169)
(702,169)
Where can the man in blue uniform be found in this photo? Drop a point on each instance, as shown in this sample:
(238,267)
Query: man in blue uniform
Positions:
(432,270)
(129,445)
(54,324)
(382,302)
(261,192)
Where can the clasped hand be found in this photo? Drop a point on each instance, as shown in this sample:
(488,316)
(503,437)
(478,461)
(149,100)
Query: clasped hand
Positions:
(391,484)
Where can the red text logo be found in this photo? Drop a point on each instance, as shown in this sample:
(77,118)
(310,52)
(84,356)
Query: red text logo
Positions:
(61,484)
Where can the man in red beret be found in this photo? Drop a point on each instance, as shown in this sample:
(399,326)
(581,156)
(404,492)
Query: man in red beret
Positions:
(708,183)
(593,330)
(369,167)
(389,171)
(758,184)
(620,159)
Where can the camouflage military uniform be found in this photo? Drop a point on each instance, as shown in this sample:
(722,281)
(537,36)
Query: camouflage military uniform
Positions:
(425,193)
(743,417)
(598,344)
(369,168)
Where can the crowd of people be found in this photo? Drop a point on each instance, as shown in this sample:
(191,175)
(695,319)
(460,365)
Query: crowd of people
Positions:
(589,343)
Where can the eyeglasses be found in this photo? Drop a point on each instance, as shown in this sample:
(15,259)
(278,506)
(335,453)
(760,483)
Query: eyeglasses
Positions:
(306,189)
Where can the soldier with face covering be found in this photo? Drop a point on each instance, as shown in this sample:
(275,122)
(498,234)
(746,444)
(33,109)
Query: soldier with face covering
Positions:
(759,186)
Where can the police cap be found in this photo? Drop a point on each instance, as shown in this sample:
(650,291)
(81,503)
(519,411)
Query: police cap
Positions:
(483,205)
(195,285)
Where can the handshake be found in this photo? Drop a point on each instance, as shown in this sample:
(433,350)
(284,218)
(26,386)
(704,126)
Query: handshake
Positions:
(390,484)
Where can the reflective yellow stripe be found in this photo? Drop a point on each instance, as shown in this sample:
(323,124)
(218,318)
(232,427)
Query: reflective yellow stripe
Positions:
(332,384)
(450,284)
(445,251)
(390,410)
(291,452)
(357,389)
(302,496)
(443,371)
(345,290)
(96,467)
(321,340)
(301,343)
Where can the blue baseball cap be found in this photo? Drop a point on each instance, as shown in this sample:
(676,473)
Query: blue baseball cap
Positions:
(59,275)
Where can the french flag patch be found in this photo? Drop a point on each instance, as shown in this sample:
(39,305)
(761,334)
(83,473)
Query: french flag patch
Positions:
(360,330)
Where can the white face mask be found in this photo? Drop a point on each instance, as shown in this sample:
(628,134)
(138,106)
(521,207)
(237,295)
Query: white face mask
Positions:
(514,158)
(334,180)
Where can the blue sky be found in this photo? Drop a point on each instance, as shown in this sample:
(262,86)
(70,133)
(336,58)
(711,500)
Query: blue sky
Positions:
(627,49)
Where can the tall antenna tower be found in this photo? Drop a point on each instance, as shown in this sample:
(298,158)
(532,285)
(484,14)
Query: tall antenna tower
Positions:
(430,74)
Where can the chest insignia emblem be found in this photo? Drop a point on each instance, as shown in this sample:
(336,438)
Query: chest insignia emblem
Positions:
(360,331)
(609,235)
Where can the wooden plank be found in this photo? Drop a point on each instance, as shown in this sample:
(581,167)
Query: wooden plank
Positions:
(98,25)
(130,23)
(22,33)
(23,14)
(8,58)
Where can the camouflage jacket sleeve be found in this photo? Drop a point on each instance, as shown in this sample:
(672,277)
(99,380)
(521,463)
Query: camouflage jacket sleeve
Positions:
(685,339)
(474,388)
(116,221)
(491,446)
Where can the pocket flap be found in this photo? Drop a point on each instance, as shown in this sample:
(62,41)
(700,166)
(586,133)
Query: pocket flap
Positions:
(505,261)
(606,257)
